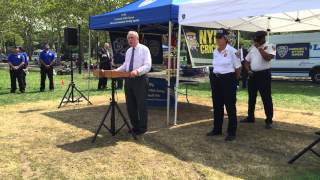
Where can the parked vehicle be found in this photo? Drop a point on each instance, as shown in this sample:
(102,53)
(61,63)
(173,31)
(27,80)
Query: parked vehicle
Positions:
(3,58)
(35,56)
(298,55)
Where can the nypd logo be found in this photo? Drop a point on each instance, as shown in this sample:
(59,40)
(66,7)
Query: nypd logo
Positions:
(282,51)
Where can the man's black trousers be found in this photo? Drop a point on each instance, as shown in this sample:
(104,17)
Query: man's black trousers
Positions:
(44,72)
(136,91)
(260,81)
(14,76)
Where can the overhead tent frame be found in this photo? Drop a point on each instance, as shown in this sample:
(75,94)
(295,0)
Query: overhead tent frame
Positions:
(248,15)
(135,15)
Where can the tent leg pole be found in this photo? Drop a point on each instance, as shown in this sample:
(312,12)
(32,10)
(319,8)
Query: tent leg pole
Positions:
(268,29)
(169,73)
(89,64)
(177,76)
(238,39)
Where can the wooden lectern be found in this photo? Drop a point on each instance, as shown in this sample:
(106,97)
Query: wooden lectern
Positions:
(113,104)
(111,74)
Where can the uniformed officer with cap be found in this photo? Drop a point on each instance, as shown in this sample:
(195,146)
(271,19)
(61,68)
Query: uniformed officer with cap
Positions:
(16,63)
(226,71)
(258,64)
(47,60)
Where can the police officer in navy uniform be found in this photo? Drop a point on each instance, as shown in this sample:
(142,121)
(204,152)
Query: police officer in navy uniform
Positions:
(258,64)
(226,72)
(26,63)
(47,60)
(105,64)
(16,63)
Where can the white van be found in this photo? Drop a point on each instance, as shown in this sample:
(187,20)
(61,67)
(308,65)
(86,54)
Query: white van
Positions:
(35,56)
(292,60)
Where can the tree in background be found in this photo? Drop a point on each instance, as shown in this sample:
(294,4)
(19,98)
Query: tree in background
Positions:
(38,21)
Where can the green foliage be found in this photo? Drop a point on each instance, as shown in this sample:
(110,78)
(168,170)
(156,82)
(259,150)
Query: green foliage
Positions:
(43,21)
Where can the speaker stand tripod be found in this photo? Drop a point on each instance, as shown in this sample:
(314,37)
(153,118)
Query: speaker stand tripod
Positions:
(71,91)
(306,149)
(112,109)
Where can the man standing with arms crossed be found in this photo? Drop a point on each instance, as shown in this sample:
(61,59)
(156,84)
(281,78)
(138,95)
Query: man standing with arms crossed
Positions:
(138,62)
(258,64)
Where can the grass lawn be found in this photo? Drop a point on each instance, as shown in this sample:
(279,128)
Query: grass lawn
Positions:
(32,93)
(285,94)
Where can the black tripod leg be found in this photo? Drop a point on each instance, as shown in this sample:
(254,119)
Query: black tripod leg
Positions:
(82,95)
(304,151)
(101,124)
(126,122)
(68,100)
(64,96)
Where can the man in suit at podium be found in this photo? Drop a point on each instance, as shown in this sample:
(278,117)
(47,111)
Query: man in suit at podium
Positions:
(105,64)
(138,62)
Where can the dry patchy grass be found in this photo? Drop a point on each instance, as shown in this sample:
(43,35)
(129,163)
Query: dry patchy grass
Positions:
(38,141)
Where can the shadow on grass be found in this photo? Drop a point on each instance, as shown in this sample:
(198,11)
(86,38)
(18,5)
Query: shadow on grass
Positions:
(256,153)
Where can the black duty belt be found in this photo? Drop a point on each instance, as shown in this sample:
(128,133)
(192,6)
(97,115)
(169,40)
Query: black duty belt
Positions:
(224,75)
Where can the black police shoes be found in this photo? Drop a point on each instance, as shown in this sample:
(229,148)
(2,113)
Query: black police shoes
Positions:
(268,126)
(214,133)
(247,120)
(230,138)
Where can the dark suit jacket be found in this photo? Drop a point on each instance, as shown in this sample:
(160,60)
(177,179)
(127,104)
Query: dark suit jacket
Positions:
(105,61)
(103,51)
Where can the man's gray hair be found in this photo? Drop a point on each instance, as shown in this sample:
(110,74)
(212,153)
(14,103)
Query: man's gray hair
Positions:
(135,33)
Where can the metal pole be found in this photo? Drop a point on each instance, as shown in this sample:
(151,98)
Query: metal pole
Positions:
(89,64)
(238,39)
(177,77)
(80,49)
(169,73)
(268,29)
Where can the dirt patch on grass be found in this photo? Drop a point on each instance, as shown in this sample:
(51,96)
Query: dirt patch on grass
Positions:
(37,140)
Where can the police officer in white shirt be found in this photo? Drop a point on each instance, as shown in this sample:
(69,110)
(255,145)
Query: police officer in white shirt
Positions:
(138,63)
(226,71)
(258,64)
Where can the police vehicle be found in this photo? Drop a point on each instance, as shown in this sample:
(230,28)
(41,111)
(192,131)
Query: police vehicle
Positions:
(298,55)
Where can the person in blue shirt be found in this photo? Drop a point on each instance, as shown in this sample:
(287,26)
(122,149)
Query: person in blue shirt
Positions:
(16,63)
(47,60)
(26,63)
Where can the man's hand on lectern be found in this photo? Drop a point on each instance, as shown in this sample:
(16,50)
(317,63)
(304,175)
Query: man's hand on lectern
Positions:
(134,73)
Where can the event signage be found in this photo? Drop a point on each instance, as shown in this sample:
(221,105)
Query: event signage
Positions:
(293,51)
(124,19)
(157,93)
(201,43)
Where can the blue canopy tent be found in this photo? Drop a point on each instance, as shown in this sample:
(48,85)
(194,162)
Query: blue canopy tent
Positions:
(142,16)
(141,12)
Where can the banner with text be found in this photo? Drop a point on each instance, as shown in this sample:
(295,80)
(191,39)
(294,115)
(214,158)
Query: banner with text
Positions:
(201,43)
(293,51)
